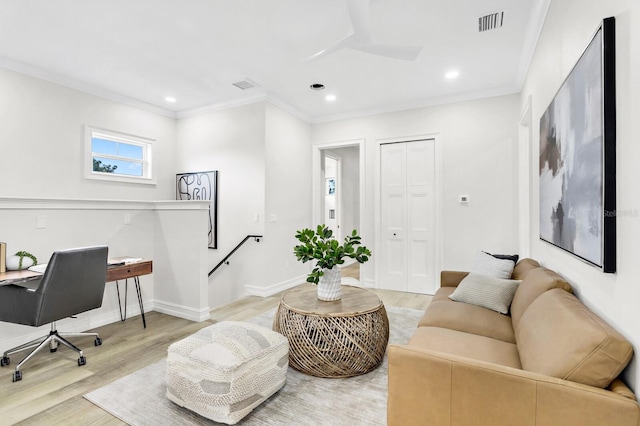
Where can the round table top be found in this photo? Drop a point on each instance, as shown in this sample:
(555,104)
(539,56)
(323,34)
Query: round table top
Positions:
(355,301)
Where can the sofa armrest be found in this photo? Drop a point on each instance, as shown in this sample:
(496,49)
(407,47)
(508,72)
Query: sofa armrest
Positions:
(451,278)
(427,387)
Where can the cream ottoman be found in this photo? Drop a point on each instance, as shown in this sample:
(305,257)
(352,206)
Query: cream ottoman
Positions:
(224,371)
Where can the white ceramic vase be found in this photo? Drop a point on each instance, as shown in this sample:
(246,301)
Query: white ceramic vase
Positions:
(13,263)
(329,286)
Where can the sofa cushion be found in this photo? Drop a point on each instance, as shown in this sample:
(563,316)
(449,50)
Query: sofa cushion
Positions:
(446,313)
(489,292)
(489,265)
(535,282)
(466,344)
(558,336)
(523,267)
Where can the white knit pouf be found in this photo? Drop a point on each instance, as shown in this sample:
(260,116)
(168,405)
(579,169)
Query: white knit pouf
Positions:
(224,371)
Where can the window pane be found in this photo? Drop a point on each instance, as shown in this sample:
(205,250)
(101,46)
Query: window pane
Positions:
(130,151)
(118,167)
(103,146)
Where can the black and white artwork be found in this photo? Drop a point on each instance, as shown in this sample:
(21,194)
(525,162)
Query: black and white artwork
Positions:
(201,186)
(577,158)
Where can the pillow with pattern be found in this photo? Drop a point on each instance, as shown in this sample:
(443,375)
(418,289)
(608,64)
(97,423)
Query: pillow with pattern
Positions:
(489,265)
(486,291)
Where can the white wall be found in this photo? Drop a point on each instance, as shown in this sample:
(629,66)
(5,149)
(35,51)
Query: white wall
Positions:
(288,197)
(42,146)
(263,157)
(231,141)
(569,26)
(478,150)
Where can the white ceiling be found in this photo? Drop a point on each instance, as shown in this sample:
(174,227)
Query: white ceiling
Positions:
(141,51)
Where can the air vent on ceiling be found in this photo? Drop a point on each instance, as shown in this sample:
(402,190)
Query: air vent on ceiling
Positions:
(490,22)
(245,84)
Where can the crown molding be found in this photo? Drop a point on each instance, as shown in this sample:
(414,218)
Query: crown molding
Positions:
(422,103)
(205,109)
(81,86)
(538,16)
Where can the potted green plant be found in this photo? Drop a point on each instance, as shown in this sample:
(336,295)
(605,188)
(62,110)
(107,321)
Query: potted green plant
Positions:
(320,246)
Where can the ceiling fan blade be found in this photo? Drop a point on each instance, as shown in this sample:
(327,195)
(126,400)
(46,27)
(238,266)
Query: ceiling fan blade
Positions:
(405,53)
(348,41)
(359,12)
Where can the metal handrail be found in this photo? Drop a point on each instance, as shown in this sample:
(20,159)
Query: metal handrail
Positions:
(223,261)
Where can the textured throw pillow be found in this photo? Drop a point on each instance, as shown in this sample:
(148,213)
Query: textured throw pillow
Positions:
(489,265)
(486,291)
(513,257)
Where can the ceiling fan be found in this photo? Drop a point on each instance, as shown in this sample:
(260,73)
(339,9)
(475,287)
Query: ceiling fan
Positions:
(360,38)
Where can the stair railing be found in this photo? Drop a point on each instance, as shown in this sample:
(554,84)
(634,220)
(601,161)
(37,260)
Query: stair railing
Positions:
(226,261)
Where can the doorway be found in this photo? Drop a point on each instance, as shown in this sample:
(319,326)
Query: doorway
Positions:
(339,190)
(408,246)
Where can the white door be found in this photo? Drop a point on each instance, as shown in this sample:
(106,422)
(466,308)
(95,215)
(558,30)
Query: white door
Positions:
(407,177)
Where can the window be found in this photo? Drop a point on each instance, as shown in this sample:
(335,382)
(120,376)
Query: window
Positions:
(117,156)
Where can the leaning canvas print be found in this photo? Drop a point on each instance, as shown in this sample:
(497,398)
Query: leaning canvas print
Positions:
(201,186)
(577,158)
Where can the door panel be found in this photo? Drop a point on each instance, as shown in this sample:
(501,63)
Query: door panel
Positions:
(407,179)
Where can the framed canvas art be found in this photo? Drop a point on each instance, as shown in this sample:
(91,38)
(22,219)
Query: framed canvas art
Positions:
(201,186)
(577,167)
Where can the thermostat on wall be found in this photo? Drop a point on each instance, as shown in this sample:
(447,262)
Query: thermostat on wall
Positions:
(463,199)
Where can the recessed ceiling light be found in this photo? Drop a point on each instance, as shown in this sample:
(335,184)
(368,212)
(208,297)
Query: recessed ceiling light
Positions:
(170,99)
(317,86)
(330,98)
(452,74)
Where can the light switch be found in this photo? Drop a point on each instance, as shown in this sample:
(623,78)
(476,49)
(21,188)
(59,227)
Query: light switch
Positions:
(273,218)
(127,219)
(41,222)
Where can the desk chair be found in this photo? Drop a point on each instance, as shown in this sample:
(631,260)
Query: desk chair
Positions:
(72,283)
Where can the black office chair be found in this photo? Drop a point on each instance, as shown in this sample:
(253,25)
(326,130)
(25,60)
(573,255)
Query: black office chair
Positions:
(72,283)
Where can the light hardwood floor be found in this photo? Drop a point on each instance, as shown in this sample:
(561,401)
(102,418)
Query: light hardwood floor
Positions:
(53,385)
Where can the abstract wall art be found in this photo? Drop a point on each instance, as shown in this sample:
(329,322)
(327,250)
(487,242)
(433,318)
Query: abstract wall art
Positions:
(201,186)
(577,165)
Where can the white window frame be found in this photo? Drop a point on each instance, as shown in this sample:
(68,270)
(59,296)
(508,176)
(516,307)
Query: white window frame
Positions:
(148,175)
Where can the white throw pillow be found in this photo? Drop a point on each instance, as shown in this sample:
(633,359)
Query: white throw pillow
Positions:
(486,291)
(489,265)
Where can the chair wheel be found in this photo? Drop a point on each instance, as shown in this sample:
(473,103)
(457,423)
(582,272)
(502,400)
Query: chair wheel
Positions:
(17,376)
(5,361)
(97,342)
(52,350)
(82,361)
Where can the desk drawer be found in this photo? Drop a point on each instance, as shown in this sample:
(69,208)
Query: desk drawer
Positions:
(131,270)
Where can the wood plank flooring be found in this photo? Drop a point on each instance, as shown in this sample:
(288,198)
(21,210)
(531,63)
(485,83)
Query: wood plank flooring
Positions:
(53,385)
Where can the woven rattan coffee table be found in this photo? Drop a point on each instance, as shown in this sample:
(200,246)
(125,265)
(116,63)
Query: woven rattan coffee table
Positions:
(344,338)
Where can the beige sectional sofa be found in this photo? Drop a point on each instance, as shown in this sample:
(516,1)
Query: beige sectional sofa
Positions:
(550,362)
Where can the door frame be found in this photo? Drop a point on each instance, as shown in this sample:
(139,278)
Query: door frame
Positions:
(317,214)
(377,202)
(338,159)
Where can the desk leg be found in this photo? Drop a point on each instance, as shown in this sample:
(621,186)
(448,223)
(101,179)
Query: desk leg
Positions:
(123,316)
(137,283)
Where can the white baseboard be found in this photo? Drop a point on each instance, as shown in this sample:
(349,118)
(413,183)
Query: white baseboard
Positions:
(180,311)
(276,288)
(369,283)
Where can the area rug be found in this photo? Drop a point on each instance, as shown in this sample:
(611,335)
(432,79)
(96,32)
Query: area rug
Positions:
(140,399)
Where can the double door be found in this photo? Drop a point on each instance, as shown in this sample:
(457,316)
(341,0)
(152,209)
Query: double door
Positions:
(407,217)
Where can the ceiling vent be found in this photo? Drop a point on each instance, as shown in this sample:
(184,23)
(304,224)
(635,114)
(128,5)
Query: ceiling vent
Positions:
(490,22)
(245,84)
